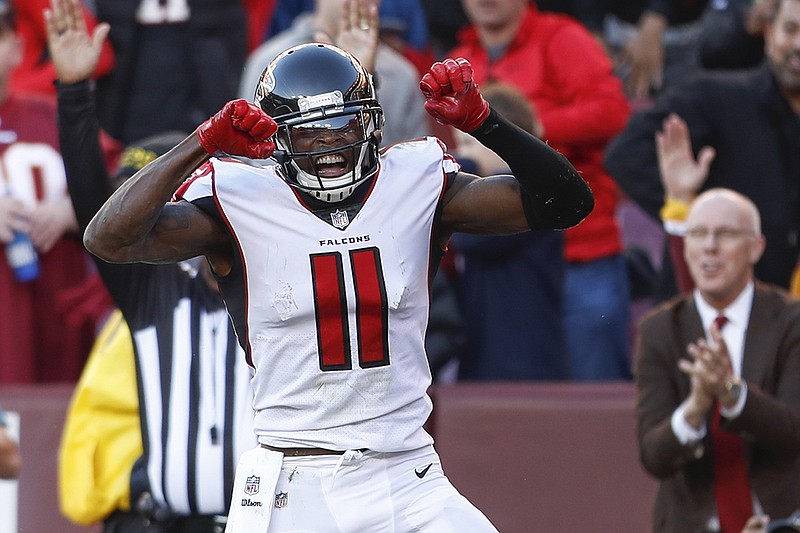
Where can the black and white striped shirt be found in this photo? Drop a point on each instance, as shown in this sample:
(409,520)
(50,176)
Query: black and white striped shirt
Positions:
(195,399)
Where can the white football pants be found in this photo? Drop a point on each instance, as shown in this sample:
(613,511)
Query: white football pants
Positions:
(369,492)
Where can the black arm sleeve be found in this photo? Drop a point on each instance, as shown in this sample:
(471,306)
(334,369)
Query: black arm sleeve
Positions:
(89,185)
(79,136)
(554,195)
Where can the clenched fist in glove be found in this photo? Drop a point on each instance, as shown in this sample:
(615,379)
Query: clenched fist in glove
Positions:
(239,128)
(452,96)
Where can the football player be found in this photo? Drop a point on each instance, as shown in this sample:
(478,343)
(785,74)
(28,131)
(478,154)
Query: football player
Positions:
(325,260)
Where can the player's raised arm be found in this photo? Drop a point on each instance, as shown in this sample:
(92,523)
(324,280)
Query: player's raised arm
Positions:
(545,191)
(138,224)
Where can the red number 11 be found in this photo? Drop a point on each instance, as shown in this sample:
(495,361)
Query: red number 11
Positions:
(332,315)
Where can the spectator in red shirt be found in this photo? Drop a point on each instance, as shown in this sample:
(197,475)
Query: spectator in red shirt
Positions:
(46,323)
(568,79)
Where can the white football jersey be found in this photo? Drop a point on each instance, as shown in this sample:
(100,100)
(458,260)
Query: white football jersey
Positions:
(334,312)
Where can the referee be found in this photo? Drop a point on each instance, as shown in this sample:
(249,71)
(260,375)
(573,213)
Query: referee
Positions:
(195,401)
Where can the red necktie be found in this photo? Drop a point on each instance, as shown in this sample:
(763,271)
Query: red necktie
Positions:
(731,485)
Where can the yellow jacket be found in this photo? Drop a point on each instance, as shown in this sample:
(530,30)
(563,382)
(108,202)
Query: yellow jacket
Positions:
(102,435)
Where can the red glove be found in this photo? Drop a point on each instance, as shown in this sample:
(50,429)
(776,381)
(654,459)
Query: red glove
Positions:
(452,96)
(239,128)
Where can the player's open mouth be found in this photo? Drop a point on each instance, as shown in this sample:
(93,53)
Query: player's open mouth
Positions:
(331,165)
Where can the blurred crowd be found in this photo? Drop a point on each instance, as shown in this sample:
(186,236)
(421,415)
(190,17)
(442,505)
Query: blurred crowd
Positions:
(653,102)
(572,72)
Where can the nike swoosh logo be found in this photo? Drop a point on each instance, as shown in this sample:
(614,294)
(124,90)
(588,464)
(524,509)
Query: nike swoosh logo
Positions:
(421,473)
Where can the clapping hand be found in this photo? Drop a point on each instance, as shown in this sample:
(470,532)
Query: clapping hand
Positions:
(74,53)
(710,366)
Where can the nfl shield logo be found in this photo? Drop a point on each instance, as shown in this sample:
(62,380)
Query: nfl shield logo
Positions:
(339,219)
(251,485)
(281,499)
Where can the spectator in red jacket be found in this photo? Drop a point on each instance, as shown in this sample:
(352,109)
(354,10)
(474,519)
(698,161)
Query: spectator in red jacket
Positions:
(568,78)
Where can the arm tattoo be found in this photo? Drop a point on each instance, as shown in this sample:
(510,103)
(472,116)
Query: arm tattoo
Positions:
(173,220)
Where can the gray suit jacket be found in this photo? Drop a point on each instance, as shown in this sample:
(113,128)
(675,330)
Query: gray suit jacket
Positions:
(769,422)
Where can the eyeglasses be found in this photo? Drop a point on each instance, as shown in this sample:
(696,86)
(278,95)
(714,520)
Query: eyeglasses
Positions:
(723,234)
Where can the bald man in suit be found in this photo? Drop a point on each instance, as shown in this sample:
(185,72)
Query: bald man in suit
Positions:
(689,367)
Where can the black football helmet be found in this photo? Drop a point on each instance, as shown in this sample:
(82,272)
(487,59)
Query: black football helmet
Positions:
(313,88)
